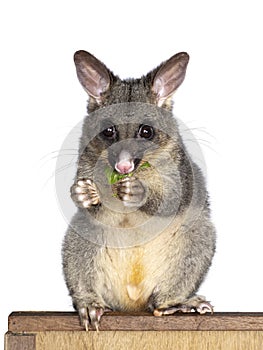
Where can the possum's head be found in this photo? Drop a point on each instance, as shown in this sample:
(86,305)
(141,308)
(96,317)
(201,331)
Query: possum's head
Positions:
(127,141)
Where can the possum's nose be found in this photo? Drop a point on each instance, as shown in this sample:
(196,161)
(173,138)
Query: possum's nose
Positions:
(124,167)
(124,164)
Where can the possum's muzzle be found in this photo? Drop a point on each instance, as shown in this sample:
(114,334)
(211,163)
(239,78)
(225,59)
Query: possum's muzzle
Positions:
(124,163)
(124,157)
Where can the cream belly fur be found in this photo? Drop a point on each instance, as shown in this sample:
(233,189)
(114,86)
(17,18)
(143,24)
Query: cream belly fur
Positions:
(130,275)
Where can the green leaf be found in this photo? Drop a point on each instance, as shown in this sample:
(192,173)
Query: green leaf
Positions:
(113,176)
(145,165)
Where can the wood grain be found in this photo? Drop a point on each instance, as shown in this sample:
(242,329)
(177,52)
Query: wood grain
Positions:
(151,340)
(20,341)
(30,322)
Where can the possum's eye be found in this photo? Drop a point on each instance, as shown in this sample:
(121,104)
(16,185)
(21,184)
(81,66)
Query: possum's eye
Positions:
(146,131)
(109,132)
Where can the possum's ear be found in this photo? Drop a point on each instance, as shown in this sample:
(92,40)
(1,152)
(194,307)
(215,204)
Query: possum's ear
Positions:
(169,77)
(93,74)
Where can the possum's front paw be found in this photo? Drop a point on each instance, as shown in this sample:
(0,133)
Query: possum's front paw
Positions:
(131,191)
(84,193)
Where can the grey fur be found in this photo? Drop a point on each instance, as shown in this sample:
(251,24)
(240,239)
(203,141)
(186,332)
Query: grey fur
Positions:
(108,261)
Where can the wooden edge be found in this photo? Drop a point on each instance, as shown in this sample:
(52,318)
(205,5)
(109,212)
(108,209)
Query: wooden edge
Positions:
(20,341)
(29,322)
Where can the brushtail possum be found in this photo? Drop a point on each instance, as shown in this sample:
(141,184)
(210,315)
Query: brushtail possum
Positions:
(142,238)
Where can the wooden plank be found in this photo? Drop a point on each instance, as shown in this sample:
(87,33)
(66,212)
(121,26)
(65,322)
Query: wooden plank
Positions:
(31,322)
(151,340)
(20,341)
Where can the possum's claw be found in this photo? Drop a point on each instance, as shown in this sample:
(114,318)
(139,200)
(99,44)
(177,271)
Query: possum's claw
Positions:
(84,193)
(95,314)
(205,307)
(194,304)
(91,315)
(131,191)
(84,318)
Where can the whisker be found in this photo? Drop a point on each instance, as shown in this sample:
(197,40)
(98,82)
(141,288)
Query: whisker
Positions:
(55,155)
(200,142)
(185,131)
(59,171)
(60,151)
(199,129)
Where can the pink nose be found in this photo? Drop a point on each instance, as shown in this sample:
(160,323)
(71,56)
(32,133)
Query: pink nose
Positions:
(124,167)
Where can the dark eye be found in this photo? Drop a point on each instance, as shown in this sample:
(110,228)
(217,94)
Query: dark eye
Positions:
(109,132)
(146,131)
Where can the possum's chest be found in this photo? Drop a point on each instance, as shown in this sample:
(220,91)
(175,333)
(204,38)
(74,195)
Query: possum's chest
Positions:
(129,276)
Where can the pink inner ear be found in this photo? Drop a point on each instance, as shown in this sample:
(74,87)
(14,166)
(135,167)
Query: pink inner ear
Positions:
(92,74)
(159,87)
(94,82)
(170,76)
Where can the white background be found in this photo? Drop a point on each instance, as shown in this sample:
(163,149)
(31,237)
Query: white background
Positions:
(41,100)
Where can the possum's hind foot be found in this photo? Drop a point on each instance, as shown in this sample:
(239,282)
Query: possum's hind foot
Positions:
(197,303)
(84,193)
(91,316)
